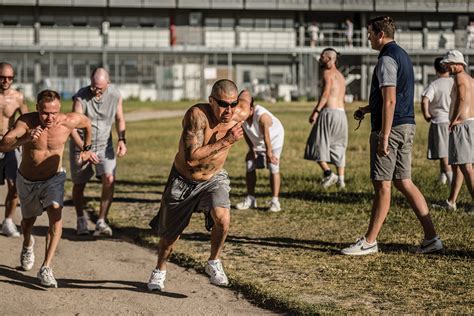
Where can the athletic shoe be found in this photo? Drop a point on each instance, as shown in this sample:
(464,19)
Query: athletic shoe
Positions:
(217,274)
(27,257)
(274,206)
(248,202)
(46,277)
(329,180)
(341,184)
(429,246)
(442,178)
(82,226)
(9,228)
(446,205)
(361,248)
(102,229)
(157,280)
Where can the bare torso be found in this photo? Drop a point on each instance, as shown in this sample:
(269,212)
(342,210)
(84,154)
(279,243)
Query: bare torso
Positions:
(464,109)
(43,159)
(10,103)
(337,89)
(206,168)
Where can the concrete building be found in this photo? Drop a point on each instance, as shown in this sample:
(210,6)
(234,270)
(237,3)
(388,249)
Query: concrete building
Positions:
(175,49)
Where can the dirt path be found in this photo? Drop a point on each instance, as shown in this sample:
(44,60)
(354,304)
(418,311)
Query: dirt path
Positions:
(105,276)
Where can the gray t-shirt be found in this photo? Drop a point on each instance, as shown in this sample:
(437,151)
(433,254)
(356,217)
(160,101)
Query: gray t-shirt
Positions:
(438,93)
(387,72)
(101,113)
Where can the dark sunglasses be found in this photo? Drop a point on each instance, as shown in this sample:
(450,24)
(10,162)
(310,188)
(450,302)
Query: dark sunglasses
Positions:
(224,104)
(10,78)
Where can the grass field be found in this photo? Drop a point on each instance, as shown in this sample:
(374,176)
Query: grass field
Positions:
(290,260)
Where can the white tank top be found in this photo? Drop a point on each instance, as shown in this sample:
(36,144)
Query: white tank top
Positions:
(277,133)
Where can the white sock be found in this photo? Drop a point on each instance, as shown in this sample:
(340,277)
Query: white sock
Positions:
(275,199)
(212,262)
(251,197)
(449,175)
(341,179)
(8,220)
(100,221)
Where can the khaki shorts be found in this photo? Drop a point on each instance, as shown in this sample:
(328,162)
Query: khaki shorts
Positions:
(36,196)
(82,172)
(397,164)
(461,143)
(438,140)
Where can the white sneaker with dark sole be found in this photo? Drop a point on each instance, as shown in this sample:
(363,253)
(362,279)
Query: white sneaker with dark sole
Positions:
(361,248)
(157,280)
(103,229)
(46,277)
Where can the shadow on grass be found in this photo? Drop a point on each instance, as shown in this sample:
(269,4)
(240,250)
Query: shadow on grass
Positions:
(17,278)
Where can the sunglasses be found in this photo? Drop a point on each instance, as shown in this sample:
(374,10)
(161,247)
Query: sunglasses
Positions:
(9,78)
(224,104)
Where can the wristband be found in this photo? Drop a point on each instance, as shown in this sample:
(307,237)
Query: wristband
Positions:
(123,139)
(87,147)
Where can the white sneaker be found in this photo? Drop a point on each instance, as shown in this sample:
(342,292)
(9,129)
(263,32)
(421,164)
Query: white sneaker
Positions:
(82,228)
(446,205)
(248,202)
(9,228)
(46,277)
(329,180)
(341,184)
(27,257)
(157,280)
(430,246)
(102,229)
(217,274)
(360,248)
(442,178)
(274,206)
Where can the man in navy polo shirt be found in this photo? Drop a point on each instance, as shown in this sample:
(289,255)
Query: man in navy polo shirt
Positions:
(391,140)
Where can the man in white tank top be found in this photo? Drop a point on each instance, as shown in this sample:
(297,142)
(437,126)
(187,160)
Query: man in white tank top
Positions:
(264,135)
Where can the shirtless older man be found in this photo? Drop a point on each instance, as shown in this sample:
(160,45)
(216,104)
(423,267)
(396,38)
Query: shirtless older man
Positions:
(11,102)
(40,178)
(327,141)
(461,125)
(197,181)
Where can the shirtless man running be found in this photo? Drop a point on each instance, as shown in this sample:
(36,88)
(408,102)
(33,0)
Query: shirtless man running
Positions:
(40,178)
(327,141)
(197,181)
(461,125)
(11,102)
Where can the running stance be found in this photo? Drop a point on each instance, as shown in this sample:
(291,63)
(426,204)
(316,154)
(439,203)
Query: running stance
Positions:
(11,103)
(40,179)
(264,135)
(102,104)
(197,181)
(327,141)
(393,129)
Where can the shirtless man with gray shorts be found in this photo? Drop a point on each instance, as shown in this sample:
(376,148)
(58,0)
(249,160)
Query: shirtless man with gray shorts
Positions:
(327,141)
(40,178)
(197,181)
(11,103)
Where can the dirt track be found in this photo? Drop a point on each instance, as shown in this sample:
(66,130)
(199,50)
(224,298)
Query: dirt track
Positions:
(104,276)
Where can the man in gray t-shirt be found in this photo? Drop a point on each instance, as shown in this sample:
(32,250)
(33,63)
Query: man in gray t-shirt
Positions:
(102,104)
(435,103)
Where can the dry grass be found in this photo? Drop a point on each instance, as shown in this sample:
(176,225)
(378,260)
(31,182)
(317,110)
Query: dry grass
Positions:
(290,260)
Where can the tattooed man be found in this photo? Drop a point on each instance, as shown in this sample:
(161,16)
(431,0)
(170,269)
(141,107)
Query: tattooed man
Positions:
(197,181)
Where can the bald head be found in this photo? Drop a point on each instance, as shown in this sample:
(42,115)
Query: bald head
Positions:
(100,76)
(6,66)
(223,89)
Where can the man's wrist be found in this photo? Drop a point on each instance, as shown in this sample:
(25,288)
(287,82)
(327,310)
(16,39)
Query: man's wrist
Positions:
(123,140)
(87,147)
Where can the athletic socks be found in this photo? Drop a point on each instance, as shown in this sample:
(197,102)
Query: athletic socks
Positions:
(275,199)
(340,179)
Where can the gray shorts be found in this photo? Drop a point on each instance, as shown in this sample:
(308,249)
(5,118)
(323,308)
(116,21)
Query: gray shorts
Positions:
(83,172)
(461,143)
(397,164)
(328,138)
(183,197)
(36,196)
(260,161)
(9,165)
(438,141)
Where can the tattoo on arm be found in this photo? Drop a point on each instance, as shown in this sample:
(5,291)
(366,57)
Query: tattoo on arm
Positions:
(194,133)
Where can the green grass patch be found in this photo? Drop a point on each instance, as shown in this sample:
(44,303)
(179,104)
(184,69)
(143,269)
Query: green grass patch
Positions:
(290,260)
